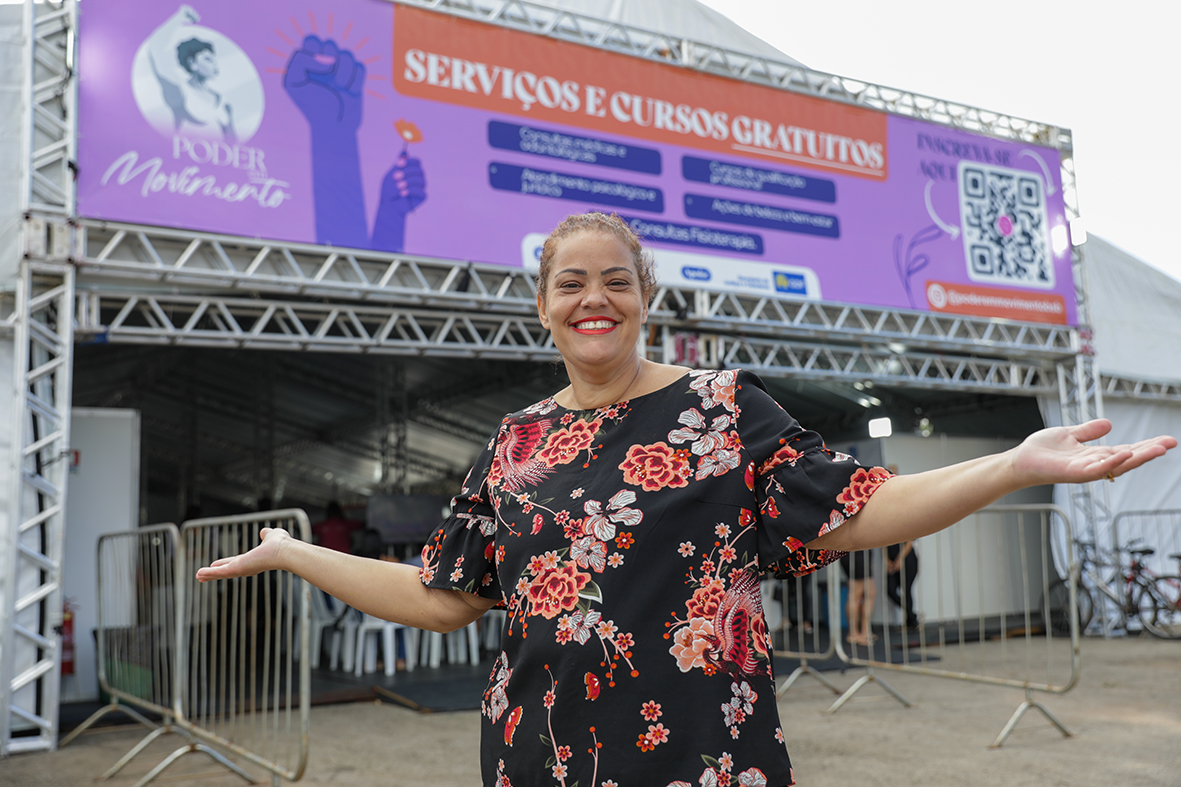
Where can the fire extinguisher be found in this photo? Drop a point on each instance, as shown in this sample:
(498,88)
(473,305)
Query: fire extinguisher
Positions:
(67,638)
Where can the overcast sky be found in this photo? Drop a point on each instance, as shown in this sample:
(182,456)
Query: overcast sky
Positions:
(1101,70)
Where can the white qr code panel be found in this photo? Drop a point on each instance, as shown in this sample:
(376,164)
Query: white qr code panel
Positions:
(1005,227)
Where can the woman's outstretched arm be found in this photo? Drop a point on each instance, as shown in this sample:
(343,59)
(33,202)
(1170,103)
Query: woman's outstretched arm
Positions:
(391,591)
(910,506)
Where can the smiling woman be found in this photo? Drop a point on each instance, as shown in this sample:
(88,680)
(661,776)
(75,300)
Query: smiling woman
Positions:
(594,284)
(624,524)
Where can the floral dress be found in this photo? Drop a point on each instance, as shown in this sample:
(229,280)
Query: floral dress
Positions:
(626,544)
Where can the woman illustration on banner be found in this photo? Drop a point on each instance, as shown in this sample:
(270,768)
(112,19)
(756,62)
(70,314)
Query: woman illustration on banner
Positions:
(185,72)
(327,84)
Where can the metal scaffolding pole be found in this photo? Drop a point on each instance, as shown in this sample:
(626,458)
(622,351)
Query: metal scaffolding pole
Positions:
(42,360)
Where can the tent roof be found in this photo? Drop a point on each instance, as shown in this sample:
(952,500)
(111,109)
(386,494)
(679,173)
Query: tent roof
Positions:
(680,18)
(1135,312)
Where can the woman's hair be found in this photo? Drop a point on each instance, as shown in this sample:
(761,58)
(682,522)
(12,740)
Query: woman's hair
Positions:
(598,222)
(187,51)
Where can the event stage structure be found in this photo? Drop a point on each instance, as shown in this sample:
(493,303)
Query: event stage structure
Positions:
(87,263)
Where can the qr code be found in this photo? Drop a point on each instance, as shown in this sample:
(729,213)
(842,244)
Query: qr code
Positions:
(1005,227)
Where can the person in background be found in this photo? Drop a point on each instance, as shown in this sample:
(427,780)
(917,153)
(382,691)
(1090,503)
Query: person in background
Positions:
(858,567)
(902,565)
(335,531)
(624,522)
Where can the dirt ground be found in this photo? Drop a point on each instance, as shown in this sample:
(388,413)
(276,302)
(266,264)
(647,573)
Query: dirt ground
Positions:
(1125,716)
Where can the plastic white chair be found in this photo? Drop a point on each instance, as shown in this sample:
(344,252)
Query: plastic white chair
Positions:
(493,621)
(322,621)
(463,646)
(366,658)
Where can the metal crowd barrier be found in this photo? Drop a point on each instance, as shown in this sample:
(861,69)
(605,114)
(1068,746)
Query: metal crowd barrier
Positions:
(803,631)
(137,632)
(224,664)
(1160,530)
(243,662)
(982,598)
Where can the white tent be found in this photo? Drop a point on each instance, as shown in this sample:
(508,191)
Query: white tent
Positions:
(1136,317)
(687,19)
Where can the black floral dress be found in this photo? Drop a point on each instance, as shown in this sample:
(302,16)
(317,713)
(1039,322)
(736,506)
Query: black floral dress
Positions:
(626,544)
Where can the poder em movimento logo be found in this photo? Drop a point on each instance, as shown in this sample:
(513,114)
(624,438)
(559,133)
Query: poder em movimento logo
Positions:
(196,87)
(192,81)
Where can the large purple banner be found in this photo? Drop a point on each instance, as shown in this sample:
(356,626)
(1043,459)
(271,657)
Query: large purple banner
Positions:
(371,125)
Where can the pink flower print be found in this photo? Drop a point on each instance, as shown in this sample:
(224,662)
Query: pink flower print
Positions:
(657,733)
(549,699)
(716,388)
(606,629)
(616,560)
(779,734)
(728,554)
(651,710)
(691,643)
(624,642)
(564,753)
(559,771)
(576,493)
(686,549)
(726,761)
(722,530)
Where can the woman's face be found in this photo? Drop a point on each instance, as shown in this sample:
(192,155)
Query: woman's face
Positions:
(204,65)
(593,306)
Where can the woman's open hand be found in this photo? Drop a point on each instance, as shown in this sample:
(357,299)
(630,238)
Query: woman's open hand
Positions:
(264,557)
(1060,454)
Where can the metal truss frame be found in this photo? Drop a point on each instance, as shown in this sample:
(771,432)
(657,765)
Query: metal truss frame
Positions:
(42,333)
(111,254)
(29,648)
(673,50)
(1119,387)
(834,363)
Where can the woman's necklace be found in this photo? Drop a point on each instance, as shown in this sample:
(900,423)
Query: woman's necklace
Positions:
(622,397)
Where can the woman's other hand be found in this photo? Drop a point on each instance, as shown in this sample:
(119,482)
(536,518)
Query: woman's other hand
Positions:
(264,557)
(1060,454)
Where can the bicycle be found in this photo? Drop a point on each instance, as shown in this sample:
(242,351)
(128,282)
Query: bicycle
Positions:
(1136,592)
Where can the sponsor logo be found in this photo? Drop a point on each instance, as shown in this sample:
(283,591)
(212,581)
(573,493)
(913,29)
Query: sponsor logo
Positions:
(695,274)
(790,282)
